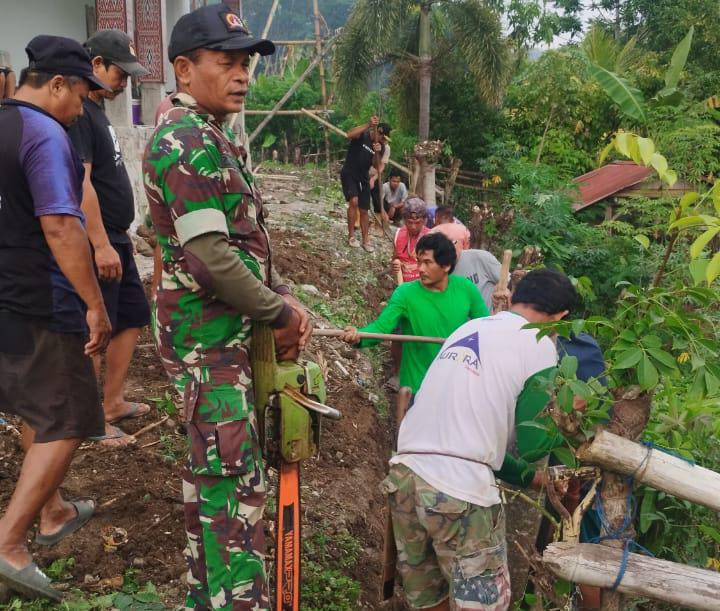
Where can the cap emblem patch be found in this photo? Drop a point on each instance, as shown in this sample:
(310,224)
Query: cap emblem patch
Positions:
(234,22)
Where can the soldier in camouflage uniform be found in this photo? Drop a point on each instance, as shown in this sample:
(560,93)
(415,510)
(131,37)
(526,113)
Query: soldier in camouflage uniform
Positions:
(217,279)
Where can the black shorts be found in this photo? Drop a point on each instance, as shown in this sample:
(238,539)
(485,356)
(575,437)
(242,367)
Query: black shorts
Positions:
(354,187)
(125,300)
(47,380)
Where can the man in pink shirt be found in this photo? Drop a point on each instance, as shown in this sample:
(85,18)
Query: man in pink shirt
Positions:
(454,230)
(406,239)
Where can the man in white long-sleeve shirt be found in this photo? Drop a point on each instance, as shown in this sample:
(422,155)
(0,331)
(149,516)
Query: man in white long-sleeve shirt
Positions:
(490,376)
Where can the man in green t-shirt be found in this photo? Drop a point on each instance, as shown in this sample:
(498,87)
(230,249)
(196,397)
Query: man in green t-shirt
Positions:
(435,305)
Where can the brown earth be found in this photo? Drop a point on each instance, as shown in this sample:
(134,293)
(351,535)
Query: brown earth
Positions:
(139,489)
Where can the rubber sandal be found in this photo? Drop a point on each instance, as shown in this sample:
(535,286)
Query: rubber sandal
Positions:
(368,247)
(29,581)
(85,508)
(136,411)
(117,433)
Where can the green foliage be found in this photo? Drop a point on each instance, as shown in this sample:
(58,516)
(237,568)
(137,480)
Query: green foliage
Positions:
(629,99)
(327,560)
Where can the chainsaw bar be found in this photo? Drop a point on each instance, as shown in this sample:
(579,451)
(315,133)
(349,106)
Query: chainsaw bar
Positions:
(287,563)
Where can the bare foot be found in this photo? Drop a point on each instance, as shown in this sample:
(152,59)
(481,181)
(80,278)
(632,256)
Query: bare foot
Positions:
(17,556)
(115,437)
(53,520)
(115,412)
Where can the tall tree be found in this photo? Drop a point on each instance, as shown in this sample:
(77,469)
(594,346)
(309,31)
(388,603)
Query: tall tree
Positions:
(412,38)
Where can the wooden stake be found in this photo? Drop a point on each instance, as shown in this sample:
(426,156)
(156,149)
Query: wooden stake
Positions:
(598,565)
(150,427)
(654,468)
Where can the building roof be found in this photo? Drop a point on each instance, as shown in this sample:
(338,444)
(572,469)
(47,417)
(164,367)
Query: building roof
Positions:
(608,180)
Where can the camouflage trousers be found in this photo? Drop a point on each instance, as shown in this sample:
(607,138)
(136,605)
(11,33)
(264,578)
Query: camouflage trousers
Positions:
(447,547)
(225,534)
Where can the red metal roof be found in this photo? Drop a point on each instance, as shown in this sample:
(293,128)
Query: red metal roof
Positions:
(608,180)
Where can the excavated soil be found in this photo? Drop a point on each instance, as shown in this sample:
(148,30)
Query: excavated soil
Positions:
(139,489)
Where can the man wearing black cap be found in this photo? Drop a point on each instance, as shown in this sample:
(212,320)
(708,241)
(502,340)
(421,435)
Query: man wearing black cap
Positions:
(217,281)
(109,208)
(49,300)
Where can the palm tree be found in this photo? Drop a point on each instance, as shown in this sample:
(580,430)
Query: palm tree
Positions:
(415,37)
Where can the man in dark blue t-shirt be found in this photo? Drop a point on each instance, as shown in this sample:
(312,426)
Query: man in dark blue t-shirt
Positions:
(46,283)
(109,206)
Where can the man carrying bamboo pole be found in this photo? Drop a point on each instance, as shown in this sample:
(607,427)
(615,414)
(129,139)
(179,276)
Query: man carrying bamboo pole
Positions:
(490,376)
(355,177)
(435,305)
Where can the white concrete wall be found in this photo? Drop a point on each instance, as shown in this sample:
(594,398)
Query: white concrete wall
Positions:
(21,20)
(132,144)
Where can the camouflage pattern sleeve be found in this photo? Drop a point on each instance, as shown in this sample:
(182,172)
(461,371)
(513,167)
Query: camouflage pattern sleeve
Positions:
(184,166)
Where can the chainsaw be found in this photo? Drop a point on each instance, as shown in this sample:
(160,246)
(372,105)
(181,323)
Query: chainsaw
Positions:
(289,405)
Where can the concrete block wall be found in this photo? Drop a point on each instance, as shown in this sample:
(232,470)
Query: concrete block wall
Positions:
(132,144)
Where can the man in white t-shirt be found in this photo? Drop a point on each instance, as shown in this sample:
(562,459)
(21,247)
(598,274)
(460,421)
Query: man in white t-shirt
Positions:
(490,376)
(394,194)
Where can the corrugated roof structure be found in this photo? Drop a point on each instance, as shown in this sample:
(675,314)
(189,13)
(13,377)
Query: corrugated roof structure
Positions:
(608,180)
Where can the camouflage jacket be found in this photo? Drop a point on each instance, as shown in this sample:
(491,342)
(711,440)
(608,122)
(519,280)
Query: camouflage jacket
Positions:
(196,182)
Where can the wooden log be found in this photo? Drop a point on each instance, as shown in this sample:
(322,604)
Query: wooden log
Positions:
(388,337)
(597,565)
(654,468)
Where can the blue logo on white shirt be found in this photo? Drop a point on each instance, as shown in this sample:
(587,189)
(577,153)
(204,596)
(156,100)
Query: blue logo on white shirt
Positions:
(470,343)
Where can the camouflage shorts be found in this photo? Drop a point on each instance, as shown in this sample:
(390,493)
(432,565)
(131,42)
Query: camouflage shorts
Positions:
(447,547)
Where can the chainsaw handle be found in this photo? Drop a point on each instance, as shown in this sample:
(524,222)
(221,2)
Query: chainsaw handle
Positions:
(315,406)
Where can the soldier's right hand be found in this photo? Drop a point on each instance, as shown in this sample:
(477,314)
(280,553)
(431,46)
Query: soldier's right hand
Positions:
(108,264)
(100,330)
(287,338)
(350,335)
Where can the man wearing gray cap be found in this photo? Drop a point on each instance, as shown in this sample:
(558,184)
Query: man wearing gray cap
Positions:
(217,281)
(109,206)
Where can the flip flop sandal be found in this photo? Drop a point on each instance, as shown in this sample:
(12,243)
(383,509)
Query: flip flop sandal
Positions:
(136,411)
(29,581)
(117,433)
(85,508)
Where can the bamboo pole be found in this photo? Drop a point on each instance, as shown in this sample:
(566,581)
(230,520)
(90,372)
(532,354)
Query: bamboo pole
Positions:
(387,337)
(301,79)
(266,30)
(597,565)
(654,468)
(321,69)
(253,65)
(282,112)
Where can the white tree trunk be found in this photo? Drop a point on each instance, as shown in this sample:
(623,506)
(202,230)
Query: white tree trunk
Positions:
(598,565)
(654,468)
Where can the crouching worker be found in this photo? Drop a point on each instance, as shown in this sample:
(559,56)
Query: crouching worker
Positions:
(490,375)
(435,305)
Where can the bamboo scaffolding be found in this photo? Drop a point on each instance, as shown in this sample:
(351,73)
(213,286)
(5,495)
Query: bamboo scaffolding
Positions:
(301,79)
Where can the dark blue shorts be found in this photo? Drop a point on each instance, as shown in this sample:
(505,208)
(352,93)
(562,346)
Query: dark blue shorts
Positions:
(125,300)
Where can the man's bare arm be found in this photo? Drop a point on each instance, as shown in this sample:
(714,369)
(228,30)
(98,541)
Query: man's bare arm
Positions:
(69,245)
(106,258)
(357,132)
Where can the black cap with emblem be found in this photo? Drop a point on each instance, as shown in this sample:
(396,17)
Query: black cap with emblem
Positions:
(116,46)
(214,27)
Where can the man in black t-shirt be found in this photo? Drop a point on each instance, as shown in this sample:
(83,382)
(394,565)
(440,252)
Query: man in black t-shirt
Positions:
(354,176)
(109,208)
